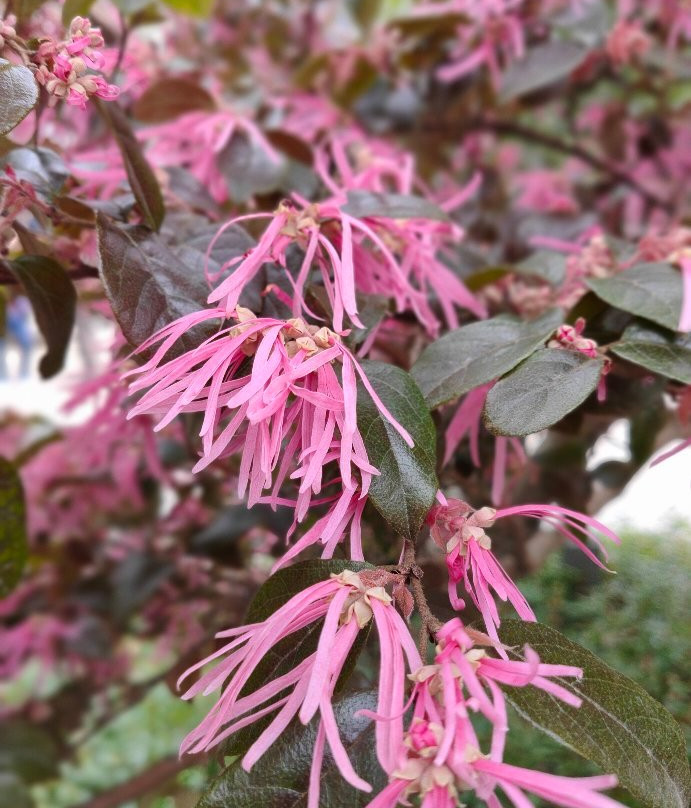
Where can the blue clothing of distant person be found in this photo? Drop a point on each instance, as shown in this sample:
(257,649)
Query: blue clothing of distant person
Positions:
(17,328)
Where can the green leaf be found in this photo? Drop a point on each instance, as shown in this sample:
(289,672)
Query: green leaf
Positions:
(404,491)
(41,167)
(171,97)
(19,94)
(23,9)
(280,779)
(75,8)
(53,298)
(478,353)
(13,792)
(13,546)
(545,264)
(540,391)
(249,170)
(362,204)
(147,284)
(140,175)
(288,581)
(27,751)
(290,651)
(195,8)
(655,350)
(542,65)
(653,291)
(619,726)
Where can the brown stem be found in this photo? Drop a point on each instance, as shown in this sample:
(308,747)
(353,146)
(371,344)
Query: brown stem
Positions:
(142,783)
(519,130)
(410,568)
(124,37)
(7,277)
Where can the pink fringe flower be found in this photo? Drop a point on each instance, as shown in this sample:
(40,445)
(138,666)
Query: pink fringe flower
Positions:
(459,531)
(196,139)
(440,758)
(353,253)
(346,602)
(344,509)
(494,35)
(290,407)
(467,421)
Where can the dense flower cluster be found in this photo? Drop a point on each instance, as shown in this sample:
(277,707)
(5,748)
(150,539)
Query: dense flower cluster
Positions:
(440,758)
(63,67)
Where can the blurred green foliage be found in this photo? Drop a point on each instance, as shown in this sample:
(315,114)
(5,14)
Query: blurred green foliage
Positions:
(636,620)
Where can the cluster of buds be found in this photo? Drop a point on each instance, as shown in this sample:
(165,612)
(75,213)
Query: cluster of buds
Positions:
(297,335)
(626,42)
(358,604)
(570,336)
(457,524)
(7,31)
(16,195)
(299,222)
(672,246)
(595,260)
(63,66)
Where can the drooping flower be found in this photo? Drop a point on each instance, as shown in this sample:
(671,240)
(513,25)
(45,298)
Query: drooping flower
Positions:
(394,258)
(459,531)
(467,421)
(366,164)
(289,409)
(345,509)
(346,602)
(440,758)
(196,140)
(493,37)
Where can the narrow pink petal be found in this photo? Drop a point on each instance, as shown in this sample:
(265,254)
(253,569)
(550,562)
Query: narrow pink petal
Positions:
(685,319)
(320,669)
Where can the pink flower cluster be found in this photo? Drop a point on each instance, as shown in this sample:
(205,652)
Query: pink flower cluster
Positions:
(346,602)
(291,407)
(63,67)
(440,758)
(373,255)
(459,531)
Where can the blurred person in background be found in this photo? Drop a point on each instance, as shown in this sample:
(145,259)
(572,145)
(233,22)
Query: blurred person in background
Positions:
(18,329)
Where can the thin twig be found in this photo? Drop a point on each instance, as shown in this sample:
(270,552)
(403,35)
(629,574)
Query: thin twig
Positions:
(124,37)
(7,277)
(550,141)
(573,149)
(143,783)
(414,573)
